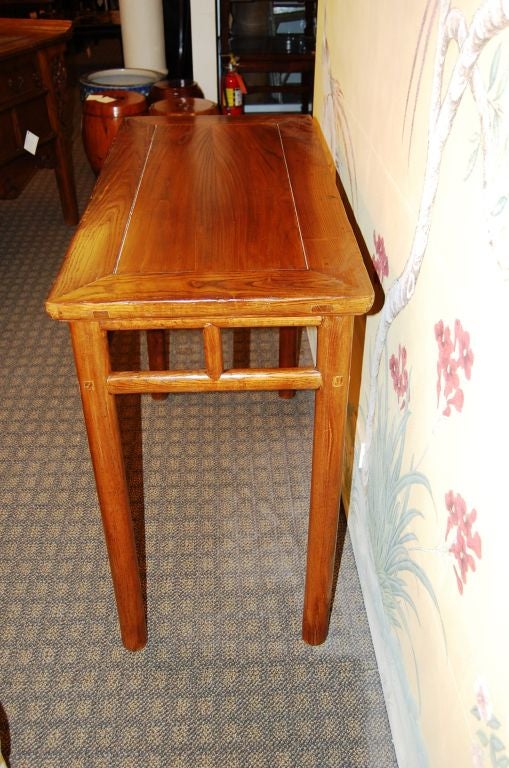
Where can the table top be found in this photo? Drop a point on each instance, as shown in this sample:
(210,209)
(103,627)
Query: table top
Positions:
(20,35)
(213,217)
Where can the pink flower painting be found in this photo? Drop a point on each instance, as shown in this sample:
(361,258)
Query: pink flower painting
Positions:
(489,744)
(455,360)
(467,543)
(380,260)
(399,374)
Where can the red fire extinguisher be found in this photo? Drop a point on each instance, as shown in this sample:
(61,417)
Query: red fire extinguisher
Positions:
(232,89)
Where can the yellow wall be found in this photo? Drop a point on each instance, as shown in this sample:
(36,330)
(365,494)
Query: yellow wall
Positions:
(420,136)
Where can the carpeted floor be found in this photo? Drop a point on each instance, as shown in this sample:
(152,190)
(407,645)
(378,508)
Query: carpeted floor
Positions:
(225,680)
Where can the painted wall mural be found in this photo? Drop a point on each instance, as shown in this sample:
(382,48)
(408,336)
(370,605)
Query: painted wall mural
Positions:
(413,100)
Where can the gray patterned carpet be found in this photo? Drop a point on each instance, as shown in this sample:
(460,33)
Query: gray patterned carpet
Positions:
(225,680)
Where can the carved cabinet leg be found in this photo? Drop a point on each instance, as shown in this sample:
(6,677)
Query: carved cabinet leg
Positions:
(54,77)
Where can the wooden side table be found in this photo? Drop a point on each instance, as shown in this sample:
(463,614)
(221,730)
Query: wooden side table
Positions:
(32,92)
(213,223)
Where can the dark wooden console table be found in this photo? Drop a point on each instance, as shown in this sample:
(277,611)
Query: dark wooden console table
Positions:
(32,98)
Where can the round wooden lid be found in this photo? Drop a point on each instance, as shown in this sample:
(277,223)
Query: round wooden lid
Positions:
(187,105)
(165,89)
(115,103)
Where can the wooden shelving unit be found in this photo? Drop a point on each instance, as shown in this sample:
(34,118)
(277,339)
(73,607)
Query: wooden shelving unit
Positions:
(275,44)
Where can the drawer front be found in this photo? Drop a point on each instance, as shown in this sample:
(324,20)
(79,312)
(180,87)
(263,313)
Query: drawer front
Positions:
(15,121)
(19,78)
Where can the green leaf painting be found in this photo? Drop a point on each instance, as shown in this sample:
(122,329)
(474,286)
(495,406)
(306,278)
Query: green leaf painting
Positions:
(392,517)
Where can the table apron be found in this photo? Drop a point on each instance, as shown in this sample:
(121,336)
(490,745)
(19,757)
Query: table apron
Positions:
(148,324)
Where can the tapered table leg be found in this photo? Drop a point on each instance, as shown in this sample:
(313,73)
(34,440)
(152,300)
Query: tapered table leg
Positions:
(333,362)
(158,355)
(91,355)
(289,350)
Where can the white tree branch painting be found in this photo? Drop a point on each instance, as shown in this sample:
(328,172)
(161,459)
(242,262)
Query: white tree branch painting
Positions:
(491,18)
(383,501)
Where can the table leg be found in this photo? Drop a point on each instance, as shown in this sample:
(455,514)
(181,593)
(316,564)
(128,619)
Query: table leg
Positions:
(158,356)
(289,350)
(333,362)
(66,187)
(241,347)
(91,354)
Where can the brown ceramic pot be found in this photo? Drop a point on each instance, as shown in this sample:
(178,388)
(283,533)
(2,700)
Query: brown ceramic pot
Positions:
(102,119)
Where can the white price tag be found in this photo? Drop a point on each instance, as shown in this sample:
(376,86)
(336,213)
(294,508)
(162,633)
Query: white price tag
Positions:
(31,142)
(100,97)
